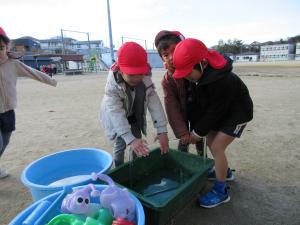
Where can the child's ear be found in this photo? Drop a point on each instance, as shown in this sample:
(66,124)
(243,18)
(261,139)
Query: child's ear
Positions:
(204,63)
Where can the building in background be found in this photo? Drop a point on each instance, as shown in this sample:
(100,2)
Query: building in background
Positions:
(55,46)
(278,52)
(153,58)
(297,56)
(26,45)
(72,46)
(247,57)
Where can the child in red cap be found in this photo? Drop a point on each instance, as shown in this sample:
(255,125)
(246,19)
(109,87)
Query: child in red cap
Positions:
(129,91)
(175,91)
(10,69)
(220,108)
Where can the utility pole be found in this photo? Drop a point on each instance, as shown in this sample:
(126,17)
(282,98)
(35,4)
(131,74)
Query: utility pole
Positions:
(62,41)
(89,44)
(63,49)
(110,33)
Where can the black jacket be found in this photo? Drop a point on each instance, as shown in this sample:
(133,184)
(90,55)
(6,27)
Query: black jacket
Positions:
(219,99)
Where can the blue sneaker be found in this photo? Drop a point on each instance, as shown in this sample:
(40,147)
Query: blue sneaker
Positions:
(212,174)
(214,198)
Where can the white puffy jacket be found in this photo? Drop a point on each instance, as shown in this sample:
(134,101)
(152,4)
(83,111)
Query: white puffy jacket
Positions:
(115,109)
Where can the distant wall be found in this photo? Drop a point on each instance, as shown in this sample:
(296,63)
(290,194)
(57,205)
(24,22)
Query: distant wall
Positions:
(153,59)
(36,62)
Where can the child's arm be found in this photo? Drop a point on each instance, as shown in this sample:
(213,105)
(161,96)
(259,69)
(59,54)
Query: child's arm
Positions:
(155,107)
(115,110)
(24,70)
(173,107)
(158,117)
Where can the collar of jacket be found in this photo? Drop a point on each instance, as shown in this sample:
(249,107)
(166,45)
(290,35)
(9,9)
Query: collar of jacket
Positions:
(4,59)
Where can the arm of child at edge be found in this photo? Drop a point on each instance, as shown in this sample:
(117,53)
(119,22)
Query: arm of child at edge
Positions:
(24,70)
(158,116)
(173,107)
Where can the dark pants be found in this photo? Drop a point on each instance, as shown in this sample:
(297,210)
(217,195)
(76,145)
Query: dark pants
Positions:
(4,140)
(120,147)
(7,126)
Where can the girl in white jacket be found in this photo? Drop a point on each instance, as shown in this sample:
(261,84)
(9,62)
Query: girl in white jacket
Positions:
(129,91)
(10,69)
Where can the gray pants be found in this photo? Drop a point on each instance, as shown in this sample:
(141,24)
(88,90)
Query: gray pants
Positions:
(119,147)
(4,140)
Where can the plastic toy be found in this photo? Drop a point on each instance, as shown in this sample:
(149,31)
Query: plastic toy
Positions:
(120,221)
(78,202)
(103,218)
(37,212)
(66,219)
(117,200)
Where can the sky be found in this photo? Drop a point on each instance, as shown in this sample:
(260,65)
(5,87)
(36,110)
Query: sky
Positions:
(209,21)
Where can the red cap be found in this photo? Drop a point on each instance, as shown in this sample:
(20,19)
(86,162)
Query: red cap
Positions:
(3,34)
(191,51)
(132,59)
(161,34)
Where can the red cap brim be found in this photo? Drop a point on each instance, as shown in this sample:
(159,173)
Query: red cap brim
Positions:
(178,74)
(135,70)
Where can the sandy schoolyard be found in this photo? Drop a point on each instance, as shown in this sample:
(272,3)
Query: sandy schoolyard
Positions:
(266,158)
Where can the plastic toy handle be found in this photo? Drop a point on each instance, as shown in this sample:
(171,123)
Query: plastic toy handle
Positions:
(48,213)
(37,212)
(103,177)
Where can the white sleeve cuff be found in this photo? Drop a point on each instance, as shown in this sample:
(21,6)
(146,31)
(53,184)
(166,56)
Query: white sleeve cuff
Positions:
(128,137)
(162,129)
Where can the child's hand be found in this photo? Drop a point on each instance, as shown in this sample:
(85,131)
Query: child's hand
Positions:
(163,141)
(185,139)
(193,138)
(140,147)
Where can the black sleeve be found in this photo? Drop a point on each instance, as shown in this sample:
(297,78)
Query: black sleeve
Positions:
(220,93)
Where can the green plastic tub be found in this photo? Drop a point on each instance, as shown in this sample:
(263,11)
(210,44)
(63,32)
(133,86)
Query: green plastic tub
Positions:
(163,183)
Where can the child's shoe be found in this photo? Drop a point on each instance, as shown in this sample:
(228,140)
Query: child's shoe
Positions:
(212,175)
(214,198)
(3,173)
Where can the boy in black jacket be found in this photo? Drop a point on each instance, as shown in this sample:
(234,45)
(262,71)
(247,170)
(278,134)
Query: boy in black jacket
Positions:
(219,107)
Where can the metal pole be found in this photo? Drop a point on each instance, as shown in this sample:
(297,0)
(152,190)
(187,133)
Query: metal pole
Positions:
(122,40)
(146,44)
(62,41)
(63,49)
(110,33)
(88,35)
(205,148)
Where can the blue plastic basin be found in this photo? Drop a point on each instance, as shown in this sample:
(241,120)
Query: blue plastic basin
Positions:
(51,173)
(55,200)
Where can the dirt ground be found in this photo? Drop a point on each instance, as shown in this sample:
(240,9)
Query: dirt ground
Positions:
(266,158)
